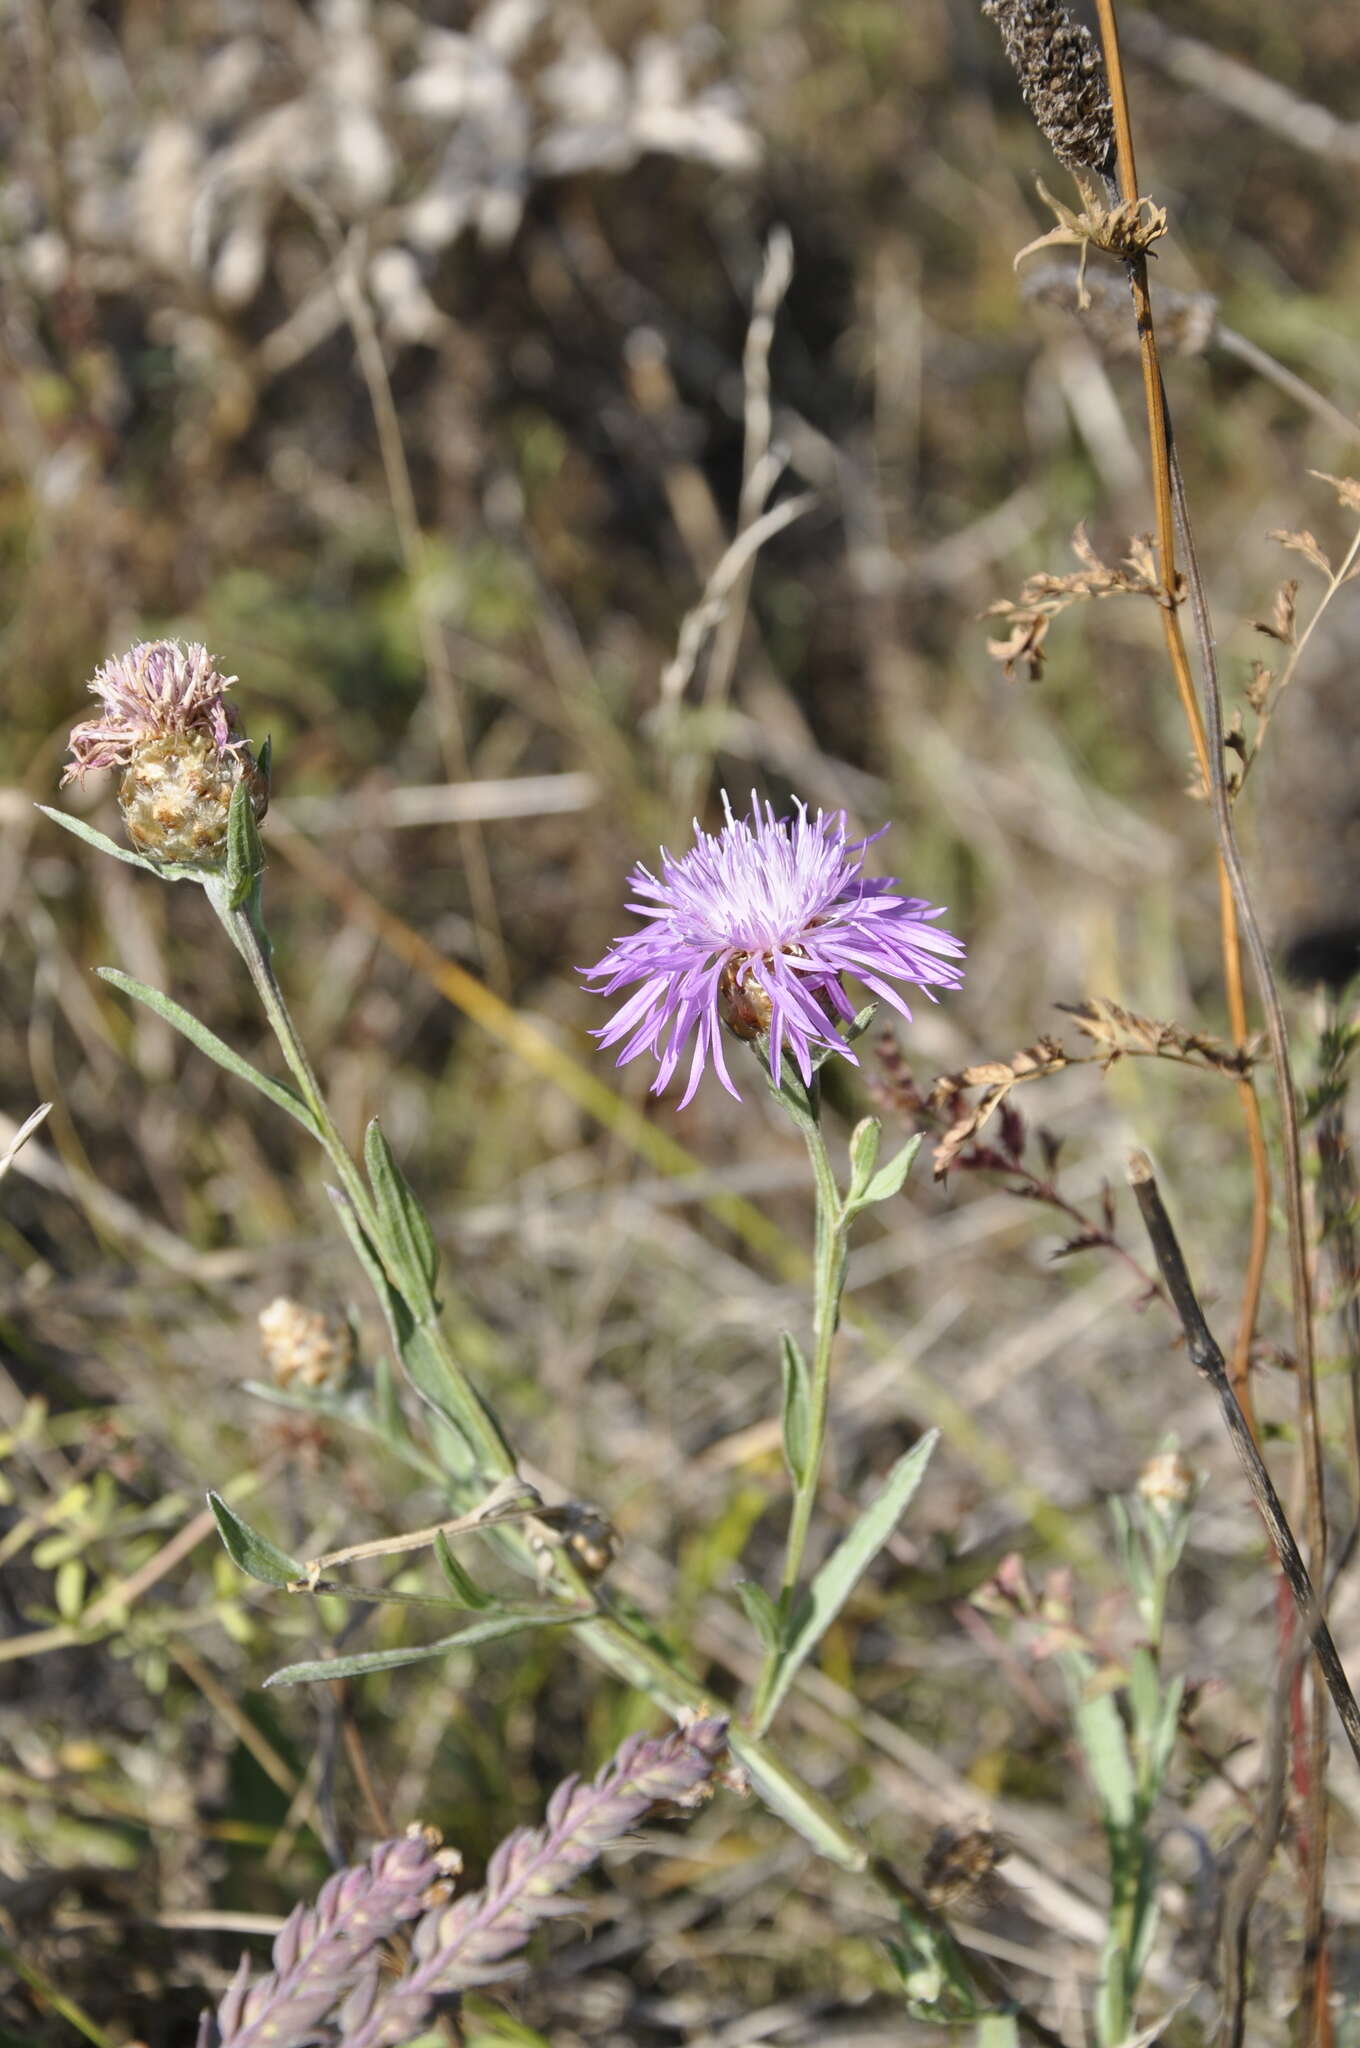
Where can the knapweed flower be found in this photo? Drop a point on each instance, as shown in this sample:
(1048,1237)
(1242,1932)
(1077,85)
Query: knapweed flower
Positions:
(166,723)
(756,929)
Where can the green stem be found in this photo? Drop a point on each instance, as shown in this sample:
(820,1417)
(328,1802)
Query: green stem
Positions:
(247,931)
(828,1286)
(832,1233)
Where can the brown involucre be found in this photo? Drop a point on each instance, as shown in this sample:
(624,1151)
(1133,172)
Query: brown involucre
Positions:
(1062,78)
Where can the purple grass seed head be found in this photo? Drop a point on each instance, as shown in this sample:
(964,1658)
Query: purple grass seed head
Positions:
(755,928)
(166,724)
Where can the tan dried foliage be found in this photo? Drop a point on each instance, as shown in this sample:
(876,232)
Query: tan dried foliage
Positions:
(1346,488)
(1120,1032)
(1044,596)
(1300,543)
(995,1078)
(1125,230)
(1116,1032)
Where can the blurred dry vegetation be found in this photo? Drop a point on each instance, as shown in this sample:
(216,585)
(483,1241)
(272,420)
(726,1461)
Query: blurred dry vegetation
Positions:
(264,269)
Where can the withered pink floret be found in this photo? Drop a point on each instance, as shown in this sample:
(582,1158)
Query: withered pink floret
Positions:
(158,688)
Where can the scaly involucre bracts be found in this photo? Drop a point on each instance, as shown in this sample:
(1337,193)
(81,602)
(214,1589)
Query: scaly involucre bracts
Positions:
(755,929)
(324,1949)
(459,1947)
(1062,78)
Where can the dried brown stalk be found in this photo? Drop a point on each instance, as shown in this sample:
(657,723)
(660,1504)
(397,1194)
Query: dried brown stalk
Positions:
(1173,525)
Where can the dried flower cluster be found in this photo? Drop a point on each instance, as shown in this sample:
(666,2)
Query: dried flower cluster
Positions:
(1044,596)
(299,1343)
(166,722)
(755,929)
(1061,77)
(332,1982)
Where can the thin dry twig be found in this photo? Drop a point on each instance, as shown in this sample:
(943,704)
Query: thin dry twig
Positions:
(1208,1359)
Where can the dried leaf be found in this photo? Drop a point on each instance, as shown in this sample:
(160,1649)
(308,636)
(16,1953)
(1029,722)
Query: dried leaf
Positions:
(1301,543)
(1280,624)
(1346,488)
(1119,1031)
(1044,596)
(996,1078)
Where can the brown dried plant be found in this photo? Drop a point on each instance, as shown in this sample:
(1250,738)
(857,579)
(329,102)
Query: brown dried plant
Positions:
(1266,686)
(1044,596)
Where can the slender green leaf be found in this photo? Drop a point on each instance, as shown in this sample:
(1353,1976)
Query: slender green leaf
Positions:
(245,854)
(864,1143)
(104,844)
(761,1612)
(797,1408)
(404,1224)
(1100,1732)
(207,1041)
(364,1661)
(833,1584)
(467,1589)
(888,1181)
(253,1553)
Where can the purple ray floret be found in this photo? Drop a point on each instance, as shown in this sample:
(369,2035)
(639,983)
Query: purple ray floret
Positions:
(757,927)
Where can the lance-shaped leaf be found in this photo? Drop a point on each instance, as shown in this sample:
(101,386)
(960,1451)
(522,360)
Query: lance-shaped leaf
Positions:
(838,1577)
(407,1235)
(254,1553)
(887,1182)
(506,1623)
(796,1419)
(245,853)
(207,1041)
(761,1612)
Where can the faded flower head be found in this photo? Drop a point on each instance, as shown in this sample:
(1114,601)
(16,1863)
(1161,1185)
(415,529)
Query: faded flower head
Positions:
(166,723)
(755,929)
(301,1343)
(1062,77)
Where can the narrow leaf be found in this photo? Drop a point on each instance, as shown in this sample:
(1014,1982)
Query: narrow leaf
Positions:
(797,1408)
(864,1143)
(104,844)
(468,1591)
(761,1612)
(838,1577)
(404,1224)
(251,1552)
(207,1041)
(364,1661)
(1100,1732)
(245,854)
(888,1181)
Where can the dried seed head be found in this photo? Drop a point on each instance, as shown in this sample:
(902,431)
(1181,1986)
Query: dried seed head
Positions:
(175,795)
(299,1343)
(960,1866)
(1062,78)
(1167,1482)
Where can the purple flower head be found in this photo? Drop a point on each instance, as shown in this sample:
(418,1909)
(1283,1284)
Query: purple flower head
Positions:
(157,690)
(755,928)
